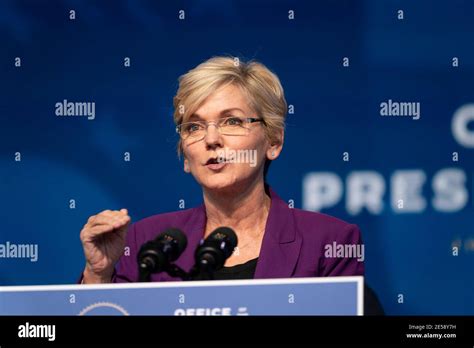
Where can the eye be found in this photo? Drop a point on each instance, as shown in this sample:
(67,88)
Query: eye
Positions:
(233,121)
(191,127)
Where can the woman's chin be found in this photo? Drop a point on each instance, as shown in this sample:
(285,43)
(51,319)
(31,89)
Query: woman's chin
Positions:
(219,184)
(230,182)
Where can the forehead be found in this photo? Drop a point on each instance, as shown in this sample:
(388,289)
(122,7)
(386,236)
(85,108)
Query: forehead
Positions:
(226,98)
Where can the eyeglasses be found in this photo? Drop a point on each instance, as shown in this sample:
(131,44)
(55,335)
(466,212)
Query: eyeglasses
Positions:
(232,125)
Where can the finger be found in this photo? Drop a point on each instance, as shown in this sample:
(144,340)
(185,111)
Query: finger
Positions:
(124,229)
(91,233)
(125,220)
(111,213)
(115,213)
(98,230)
(114,220)
(106,226)
(102,213)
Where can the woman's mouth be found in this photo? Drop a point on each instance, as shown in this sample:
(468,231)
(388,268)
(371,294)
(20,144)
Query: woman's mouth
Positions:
(215,164)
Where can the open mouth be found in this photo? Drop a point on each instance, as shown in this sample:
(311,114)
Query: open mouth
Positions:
(216,160)
(213,160)
(216,163)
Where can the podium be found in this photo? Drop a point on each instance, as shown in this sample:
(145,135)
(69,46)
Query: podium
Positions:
(289,296)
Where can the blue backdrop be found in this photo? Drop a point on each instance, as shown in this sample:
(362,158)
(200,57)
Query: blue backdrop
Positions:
(338,61)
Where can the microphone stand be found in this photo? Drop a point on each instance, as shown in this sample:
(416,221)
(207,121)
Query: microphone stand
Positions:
(204,272)
(144,275)
(175,271)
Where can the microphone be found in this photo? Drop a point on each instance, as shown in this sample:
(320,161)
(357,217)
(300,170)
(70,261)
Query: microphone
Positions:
(212,252)
(156,255)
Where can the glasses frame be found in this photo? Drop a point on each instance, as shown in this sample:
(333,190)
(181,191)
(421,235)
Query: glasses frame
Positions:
(217,124)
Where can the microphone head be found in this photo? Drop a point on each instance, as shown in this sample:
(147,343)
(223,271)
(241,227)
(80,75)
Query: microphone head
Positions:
(155,255)
(225,234)
(216,248)
(176,238)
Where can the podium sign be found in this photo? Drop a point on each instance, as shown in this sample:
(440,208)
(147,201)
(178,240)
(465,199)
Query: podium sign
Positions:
(292,296)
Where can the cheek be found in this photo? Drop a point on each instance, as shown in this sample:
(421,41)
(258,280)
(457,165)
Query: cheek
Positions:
(255,142)
(254,157)
(259,146)
(191,155)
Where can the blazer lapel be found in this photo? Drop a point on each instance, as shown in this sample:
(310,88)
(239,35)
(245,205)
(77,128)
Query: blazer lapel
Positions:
(280,246)
(281,243)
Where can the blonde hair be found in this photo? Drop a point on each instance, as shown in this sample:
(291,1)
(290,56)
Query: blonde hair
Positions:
(261,87)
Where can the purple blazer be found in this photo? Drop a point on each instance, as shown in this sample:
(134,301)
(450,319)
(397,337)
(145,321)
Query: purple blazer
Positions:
(293,244)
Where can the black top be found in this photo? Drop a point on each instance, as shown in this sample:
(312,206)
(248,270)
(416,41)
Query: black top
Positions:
(242,271)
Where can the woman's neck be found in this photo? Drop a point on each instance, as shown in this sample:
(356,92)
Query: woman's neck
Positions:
(245,210)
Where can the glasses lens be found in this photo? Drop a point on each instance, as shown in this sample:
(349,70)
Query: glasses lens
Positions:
(192,130)
(227,126)
(233,126)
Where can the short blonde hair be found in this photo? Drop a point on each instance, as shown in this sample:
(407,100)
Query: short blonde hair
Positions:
(261,86)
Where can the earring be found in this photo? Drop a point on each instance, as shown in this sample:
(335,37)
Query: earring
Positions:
(273,153)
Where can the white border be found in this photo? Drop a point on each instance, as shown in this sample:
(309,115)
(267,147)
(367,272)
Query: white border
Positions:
(186,284)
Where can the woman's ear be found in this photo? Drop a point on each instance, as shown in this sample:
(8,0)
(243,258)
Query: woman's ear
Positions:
(186,166)
(275,149)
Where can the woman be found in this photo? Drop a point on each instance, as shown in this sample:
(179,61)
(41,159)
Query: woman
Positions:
(227,112)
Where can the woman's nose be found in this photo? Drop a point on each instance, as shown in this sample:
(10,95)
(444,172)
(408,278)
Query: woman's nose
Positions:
(213,135)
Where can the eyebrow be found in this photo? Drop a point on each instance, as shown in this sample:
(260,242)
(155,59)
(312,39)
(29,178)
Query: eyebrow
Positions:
(222,113)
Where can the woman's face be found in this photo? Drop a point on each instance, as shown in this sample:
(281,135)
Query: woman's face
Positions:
(245,154)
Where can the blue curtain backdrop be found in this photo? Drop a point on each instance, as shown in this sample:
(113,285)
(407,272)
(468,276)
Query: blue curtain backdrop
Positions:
(57,171)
